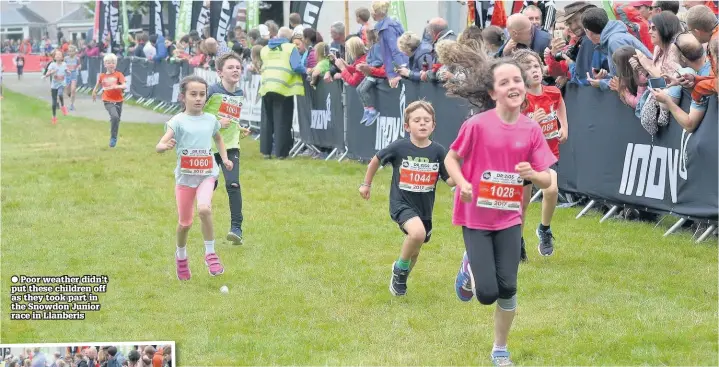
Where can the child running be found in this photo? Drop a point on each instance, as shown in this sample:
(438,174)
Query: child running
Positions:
(499,148)
(57,70)
(191,133)
(545,105)
(417,162)
(73,66)
(113,86)
(225,102)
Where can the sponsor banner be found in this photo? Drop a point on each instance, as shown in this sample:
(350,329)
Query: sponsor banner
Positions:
(33,63)
(156,25)
(220,15)
(252,108)
(308,10)
(610,156)
(320,115)
(364,141)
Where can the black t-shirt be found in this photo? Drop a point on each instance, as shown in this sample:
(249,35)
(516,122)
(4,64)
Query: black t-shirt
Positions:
(415,172)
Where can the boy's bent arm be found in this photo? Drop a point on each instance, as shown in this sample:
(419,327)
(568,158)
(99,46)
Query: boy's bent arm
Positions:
(371,171)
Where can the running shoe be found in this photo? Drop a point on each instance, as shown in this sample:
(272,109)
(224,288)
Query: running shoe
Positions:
(523,255)
(500,358)
(364,117)
(54,120)
(183,269)
(463,284)
(213,264)
(398,282)
(235,236)
(72,107)
(113,142)
(546,242)
(64,110)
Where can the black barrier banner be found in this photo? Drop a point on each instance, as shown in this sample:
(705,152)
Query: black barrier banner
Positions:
(173,9)
(321,116)
(450,112)
(220,14)
(610,156)
(363,141)
(200,15)
(94,67)
(168,83)
(144,78)
(308,10)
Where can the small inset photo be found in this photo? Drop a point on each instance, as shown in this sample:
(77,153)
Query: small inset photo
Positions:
(89,354)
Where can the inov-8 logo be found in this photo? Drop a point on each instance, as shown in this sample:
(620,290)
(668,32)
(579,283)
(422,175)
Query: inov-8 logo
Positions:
(390,129)
(321,119)
(659,165)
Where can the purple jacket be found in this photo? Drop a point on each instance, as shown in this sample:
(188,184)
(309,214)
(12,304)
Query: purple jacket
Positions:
(389,30)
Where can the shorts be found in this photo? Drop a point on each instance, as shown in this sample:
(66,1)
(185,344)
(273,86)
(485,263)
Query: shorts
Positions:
(70,77)
(405,214)
(554,167)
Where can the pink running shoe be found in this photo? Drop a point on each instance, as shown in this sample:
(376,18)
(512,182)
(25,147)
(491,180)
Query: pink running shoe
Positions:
(183,269)
(54,120)
(64,110)
(213,264)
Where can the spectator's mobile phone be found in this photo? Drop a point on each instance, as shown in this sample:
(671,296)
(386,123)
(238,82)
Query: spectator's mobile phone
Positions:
(558,34)
(657,83)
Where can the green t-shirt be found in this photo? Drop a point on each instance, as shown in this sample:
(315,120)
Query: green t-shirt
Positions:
(323,66)
(222,103)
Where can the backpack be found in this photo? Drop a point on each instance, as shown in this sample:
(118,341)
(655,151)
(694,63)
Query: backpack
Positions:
(636,24)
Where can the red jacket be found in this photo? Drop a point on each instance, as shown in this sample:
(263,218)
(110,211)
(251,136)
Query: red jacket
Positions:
(353,77)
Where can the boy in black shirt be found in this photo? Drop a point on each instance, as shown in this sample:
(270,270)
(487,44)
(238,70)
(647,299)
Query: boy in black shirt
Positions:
(417,163)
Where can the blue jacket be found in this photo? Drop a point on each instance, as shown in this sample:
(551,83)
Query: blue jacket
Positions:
(389,30)
(423,54)
(587,58)
(161,49)
(374,56)
(613,37)
(295,57)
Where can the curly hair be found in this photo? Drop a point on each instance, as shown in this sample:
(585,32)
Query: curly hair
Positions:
(524,56)
(474,74)
(472,37)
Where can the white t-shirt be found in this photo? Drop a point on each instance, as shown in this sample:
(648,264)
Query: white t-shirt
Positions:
(149,51)
(298,29)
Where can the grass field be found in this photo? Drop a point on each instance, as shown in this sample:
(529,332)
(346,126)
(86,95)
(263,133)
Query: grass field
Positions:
(309,287)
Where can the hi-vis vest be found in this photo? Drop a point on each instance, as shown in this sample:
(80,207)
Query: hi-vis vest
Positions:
(277,74)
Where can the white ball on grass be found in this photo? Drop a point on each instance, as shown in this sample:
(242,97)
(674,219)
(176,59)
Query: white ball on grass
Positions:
(224,289)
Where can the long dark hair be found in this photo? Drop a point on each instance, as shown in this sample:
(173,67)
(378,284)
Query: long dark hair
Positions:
(668,26)
(474,74)
(183,87)
(625,72)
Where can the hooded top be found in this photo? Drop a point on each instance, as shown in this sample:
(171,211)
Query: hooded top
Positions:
(389,30)
(614,36)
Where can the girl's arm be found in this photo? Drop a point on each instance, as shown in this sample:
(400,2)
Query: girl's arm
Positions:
(167,141)
(542,179)
(451,164)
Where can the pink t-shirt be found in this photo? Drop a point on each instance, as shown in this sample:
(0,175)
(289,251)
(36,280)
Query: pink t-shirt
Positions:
(490,150)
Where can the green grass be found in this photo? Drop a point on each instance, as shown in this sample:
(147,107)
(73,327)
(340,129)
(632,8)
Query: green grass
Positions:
(309,287)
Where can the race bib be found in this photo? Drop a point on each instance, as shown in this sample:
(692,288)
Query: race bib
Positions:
(20,63)
(59,78)
(109,82)
(230,108)
(500,190)
(196,162)
(550,129)
(418,176)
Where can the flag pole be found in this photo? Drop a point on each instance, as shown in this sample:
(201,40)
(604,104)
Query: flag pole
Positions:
(347,17)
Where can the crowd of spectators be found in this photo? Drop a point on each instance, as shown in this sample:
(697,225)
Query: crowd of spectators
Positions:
(105,356)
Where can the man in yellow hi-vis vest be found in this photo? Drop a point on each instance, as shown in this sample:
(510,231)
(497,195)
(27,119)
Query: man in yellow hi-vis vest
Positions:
(282,74)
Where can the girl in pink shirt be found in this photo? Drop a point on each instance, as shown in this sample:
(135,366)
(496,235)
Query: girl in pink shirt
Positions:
(499,149)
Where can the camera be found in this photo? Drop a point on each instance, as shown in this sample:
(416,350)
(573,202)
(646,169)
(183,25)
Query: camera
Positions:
(571,52)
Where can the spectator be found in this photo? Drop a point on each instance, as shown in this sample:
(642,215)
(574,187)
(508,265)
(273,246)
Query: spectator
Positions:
(146,358)
(609,35)
(296,24)
(323,65)
(58,358)
(660,6)
(645,9)
(695,59)
(362,16)
(281,80)
(336,51)
(388,31)
(167,356)
(522,34)
(149,48)
(182,50)
(157,358)
(298,41)
(264,32)
(356,55)
(240,36)
(116,357)
(92,49)
(253,36)
(534,14)
(90,358)
(310,40)
(39,359)
(703,25)
(374,72)
(494,37)
(133,358)
(419,53)
(664,30)
(141,39)
(272,28)
(170,47)
(630,83)
(580,53)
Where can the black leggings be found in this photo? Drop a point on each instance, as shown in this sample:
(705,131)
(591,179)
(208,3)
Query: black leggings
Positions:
(56,94)
(494,262)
